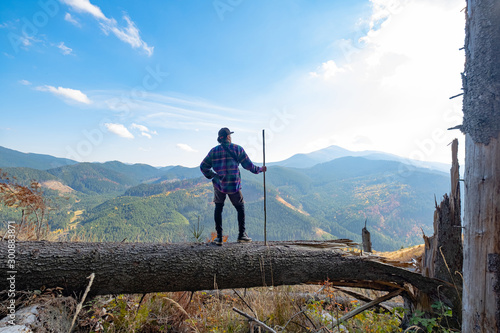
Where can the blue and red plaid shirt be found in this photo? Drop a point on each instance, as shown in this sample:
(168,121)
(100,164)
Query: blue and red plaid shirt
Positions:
(219,162)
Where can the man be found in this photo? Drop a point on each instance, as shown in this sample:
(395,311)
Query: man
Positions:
(221,165)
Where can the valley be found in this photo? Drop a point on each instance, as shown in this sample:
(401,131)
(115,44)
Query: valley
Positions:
(114,201)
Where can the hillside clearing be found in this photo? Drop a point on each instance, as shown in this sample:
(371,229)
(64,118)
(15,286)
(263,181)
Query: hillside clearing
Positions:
(57,186)
(289,205)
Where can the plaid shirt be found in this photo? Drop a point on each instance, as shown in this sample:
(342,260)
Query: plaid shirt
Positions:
(219,162)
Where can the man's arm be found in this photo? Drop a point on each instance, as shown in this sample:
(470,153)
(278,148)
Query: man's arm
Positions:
(206,167)
(247,163)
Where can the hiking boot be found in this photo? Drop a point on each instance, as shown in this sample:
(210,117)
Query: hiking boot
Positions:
(218,241)
(244,238)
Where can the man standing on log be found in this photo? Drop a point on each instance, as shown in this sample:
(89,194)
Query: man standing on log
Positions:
(221,165)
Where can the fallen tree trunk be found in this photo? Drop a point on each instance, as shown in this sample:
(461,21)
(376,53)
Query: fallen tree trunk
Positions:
(129,268)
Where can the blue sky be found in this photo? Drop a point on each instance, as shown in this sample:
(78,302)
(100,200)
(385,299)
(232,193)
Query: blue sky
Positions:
(153,81)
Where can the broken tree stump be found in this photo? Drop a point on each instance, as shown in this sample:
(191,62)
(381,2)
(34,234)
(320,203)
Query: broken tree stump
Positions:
(443,256)
(444,250)
(366,239)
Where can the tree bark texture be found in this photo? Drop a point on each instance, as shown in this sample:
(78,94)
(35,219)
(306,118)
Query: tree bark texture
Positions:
(481,106)
(366,239)
(128,268)
(481,301)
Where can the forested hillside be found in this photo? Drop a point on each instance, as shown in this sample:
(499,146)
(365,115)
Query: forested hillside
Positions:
(114,201)
(13,158)
(396,200)
(170,214)
(137,172)
(93,178)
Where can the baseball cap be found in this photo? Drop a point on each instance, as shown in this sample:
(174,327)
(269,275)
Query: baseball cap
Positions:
(224,132)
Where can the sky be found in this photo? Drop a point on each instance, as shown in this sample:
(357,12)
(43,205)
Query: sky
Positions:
(153,81)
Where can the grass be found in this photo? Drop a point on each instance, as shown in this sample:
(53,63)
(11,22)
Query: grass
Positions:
(284,308)
(303,308)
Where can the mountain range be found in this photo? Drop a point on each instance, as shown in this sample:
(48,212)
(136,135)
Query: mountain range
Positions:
(333,152)
(13,158)
(307,198)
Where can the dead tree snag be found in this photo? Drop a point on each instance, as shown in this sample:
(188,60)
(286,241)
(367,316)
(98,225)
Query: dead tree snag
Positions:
(481,124)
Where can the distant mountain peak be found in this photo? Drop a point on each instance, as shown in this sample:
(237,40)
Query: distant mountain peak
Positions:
(333,152)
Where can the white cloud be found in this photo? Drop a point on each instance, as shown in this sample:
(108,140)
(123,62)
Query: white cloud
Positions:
(28,40)
(174,112)
(21,35)
(68,17)
(119,130)
(64,49)
(128,34)
(25,82)
(24,35)
(25,41)
(144,130)
(384,9)
(388,92)
(84,6)
(327,70)
(67,93)
(186,147)
(141,128)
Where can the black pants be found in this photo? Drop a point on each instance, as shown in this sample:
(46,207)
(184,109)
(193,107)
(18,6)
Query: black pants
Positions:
(238,203)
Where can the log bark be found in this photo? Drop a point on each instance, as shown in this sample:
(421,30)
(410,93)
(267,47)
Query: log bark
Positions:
(481,107)
(129,268)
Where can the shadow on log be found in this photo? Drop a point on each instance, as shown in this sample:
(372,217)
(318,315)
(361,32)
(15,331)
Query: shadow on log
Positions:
(130,268)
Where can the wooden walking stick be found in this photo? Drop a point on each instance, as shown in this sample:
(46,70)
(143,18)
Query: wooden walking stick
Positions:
(264,164)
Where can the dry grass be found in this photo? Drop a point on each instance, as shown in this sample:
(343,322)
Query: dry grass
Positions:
(404,255)
(302,308)
(284,308)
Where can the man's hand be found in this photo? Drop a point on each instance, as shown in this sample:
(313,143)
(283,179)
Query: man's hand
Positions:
(264,168)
